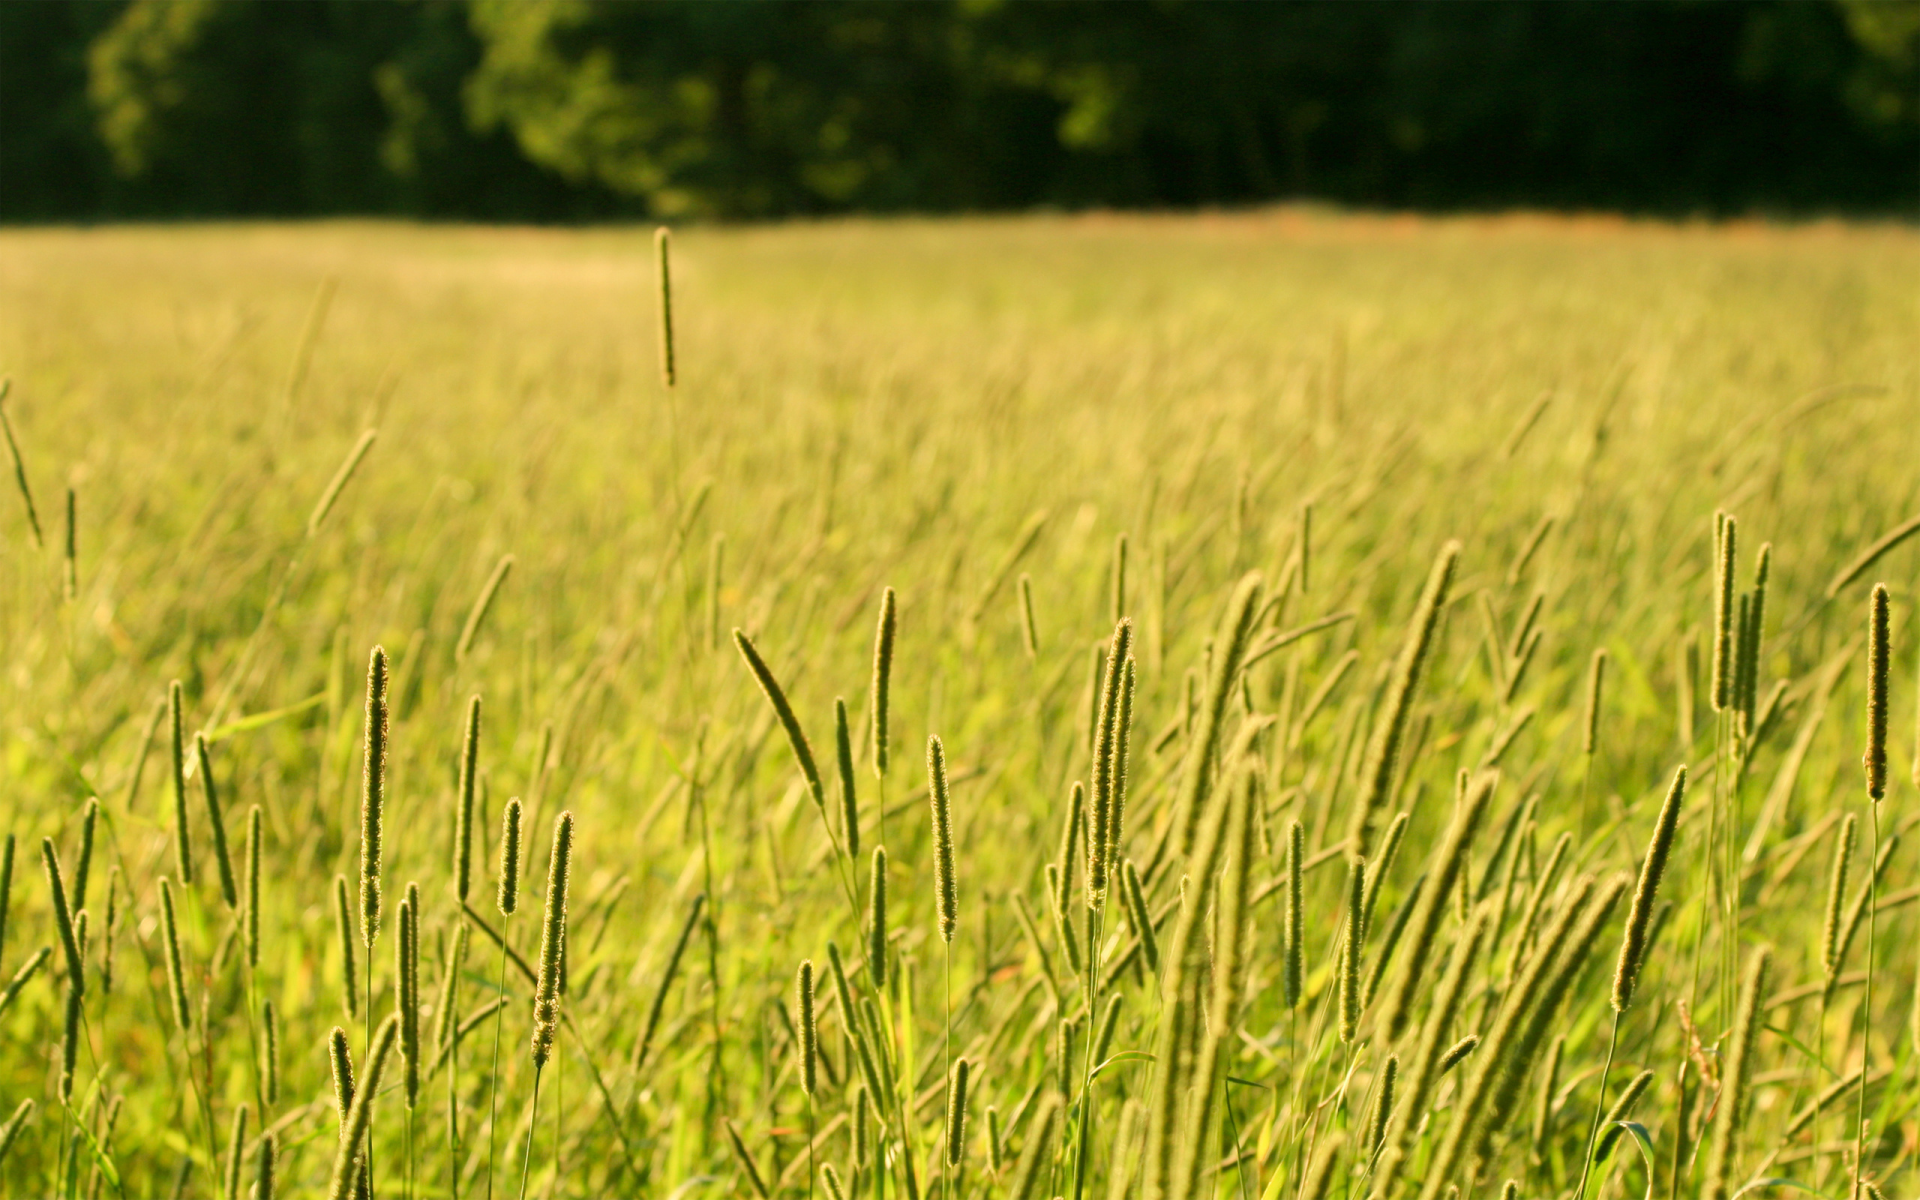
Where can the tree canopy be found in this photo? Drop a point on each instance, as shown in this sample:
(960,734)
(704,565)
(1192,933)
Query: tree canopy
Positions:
(576,109)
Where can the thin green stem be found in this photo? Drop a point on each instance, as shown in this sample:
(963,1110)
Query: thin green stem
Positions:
(533,1118)
(1866,1009)
(493,1075)
(1599,1109)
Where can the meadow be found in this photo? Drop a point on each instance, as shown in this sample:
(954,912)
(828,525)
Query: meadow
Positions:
(1314,613)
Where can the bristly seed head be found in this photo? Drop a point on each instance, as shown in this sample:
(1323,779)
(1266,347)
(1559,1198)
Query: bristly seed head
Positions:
(463,815)
(945,894)
(809,1029)
(508,898)
(882,678)
(553,938)
(1879,659)
(182,843)
(1633,944)
(957,1115)
(373,796)
(877,919)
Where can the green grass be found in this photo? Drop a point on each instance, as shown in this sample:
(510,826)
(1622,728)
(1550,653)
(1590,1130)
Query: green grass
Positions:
(871,404)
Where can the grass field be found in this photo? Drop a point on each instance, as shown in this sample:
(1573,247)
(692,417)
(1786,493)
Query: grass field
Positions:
(971,413)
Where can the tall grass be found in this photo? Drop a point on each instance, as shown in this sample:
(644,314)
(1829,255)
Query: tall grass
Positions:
(1284,952)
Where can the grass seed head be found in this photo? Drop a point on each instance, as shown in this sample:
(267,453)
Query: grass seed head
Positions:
(882,679)
(1843,842)
(176,976)
(663,261)
(1383,747)
(359,1120)
(553,938)
(1633,942)
(508,896)
(956,1139)
(373,796)
(343,916)
(83,862)
(63,918)
(809,1030)
(463,813)
(849,799)
(182,831)
(1725,545)
(1596,683)
(216,823)
(1879,664)
(946,897)
(796,736)
(877,919)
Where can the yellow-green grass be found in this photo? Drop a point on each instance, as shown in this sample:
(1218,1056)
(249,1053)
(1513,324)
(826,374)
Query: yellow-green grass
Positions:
(865,404)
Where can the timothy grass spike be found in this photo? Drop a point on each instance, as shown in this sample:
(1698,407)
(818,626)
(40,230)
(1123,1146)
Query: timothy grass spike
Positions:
(338,483)
(482,604)
(19,467)
(176,975)
(343,915)
(463,812)
(373,796)
(946,897)
(252,908)
(1383,747)
(809,1029)
(1197,782)
(507,895)
(182,839)
(553,937)
(1723,611)
(877,919)
(883,636)
(360,1114)
(796,737)
(663,256)
(956,1127)
(1633,942)
(216,822)
(1879,666)
(849,800)
(64,918)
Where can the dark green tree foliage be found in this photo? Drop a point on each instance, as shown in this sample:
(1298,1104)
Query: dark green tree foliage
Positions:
(568,109)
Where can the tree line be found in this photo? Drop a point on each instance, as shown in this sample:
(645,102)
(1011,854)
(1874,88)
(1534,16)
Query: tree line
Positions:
(592,109)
